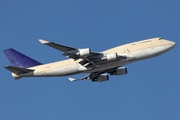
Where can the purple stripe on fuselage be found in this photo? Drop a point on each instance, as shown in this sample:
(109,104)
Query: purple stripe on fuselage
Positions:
(20,60)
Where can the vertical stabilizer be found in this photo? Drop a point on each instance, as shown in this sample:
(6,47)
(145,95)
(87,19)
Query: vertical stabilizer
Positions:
(18,59)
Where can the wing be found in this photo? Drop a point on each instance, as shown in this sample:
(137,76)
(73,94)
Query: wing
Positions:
(62,48)
(71,52)
(94,75)
(88,58)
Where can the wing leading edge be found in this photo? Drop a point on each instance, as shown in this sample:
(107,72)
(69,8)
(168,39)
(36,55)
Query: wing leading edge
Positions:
(67,50)
(59,47)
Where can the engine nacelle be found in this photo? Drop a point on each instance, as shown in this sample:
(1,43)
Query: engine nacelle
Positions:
(102,78)
(110,57)
(83,52)
(120,71)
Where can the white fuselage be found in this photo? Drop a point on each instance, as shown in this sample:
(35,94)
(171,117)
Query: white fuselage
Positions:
(134,51)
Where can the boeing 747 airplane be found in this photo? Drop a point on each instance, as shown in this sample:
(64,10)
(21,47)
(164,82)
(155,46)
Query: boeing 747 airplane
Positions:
(82,60)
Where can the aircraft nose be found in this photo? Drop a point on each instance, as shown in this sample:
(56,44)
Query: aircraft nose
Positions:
(170,44)
(173,44)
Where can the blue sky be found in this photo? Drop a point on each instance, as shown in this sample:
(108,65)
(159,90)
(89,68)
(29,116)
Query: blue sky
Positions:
(150,90)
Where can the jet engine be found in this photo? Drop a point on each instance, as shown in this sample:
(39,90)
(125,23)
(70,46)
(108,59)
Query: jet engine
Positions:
(78,52)
(110,57)
(120,71)
(83,52)
(101,78)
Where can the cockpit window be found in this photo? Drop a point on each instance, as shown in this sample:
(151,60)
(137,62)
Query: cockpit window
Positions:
(160,38)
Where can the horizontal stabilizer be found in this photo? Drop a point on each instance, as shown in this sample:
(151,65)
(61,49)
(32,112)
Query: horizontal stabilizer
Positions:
(18,70)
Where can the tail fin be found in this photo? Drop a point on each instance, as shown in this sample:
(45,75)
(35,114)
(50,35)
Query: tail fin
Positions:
(18,59)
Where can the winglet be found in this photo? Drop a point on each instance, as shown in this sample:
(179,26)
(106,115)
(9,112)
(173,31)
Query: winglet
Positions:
(72,79)
(43,41)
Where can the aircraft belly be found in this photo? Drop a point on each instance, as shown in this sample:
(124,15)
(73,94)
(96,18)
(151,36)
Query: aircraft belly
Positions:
(159,50)
(148,53)
(111,65)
